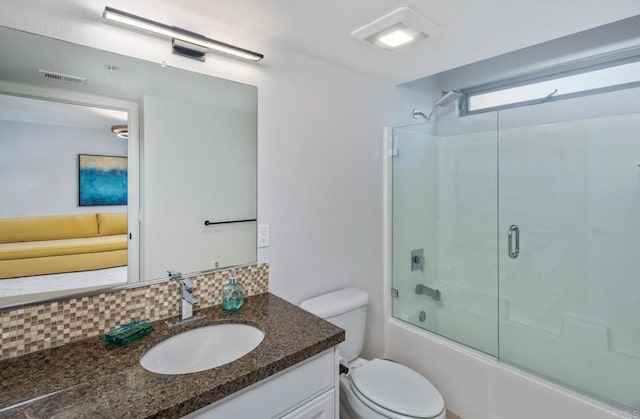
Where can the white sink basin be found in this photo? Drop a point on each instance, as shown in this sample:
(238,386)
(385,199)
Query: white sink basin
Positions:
(202,349)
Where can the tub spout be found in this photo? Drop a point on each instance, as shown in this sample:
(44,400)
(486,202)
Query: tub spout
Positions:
(424,290)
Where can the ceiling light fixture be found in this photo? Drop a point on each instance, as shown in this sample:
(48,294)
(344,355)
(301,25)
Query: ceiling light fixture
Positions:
(396,38)
(398,29)
(121,131)
(185,43)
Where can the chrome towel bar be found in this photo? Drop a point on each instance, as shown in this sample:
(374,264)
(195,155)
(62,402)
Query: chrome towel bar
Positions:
(210,223)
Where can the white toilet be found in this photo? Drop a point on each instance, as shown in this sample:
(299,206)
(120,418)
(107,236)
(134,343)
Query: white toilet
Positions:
(375,389)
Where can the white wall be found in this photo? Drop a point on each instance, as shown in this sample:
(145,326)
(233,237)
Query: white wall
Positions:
(206,157)
(319,143)
(598,41)
(320,177)
(39,167)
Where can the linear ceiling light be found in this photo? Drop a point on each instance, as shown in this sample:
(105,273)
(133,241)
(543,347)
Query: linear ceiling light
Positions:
(180,34)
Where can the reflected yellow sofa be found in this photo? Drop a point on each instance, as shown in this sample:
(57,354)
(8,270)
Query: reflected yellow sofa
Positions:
(62,243)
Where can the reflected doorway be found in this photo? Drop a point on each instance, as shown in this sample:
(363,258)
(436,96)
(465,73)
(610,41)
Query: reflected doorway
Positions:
(64,209)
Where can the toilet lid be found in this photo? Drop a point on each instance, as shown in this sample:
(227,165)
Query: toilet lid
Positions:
(397,388)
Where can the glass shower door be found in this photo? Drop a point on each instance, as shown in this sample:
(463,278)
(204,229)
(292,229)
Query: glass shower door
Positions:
(569,256)
(444,261)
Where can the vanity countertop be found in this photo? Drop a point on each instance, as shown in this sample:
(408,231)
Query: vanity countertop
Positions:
(92,379)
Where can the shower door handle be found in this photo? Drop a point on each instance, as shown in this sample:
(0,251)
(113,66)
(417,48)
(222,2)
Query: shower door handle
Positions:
(514,241)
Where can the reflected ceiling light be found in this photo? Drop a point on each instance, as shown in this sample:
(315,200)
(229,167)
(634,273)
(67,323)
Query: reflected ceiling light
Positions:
(398,29)
(121,131)
(185,43)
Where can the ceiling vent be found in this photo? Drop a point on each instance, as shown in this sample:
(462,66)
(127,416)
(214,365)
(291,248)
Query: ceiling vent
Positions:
(62,77)
(398,29)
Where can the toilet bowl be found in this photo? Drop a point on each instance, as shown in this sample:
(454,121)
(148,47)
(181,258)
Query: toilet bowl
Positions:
(379,388)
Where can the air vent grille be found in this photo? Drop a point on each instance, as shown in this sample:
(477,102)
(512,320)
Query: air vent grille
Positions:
(62,77)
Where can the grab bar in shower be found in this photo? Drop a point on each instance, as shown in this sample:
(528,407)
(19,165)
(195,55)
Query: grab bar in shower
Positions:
(424,290)
(513,235)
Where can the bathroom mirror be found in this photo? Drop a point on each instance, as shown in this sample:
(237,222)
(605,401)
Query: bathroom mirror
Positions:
(194,147)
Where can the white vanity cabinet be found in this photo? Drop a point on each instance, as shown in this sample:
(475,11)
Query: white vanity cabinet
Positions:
(304,391)
(321,407)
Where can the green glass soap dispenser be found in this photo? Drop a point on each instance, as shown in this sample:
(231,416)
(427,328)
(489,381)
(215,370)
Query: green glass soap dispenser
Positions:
(232,293)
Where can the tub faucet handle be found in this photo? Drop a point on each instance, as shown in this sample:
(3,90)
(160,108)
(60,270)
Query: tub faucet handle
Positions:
(417,260)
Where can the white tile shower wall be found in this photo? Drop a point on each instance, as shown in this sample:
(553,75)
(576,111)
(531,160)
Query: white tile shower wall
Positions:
(466,232)
(574,292)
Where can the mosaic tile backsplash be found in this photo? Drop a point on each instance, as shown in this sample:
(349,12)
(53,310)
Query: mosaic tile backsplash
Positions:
(45,326)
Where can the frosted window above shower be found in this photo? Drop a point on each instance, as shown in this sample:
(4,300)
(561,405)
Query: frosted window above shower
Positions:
(531,92)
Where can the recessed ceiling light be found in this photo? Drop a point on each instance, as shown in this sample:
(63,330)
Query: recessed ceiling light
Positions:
(398,29)
(396,38)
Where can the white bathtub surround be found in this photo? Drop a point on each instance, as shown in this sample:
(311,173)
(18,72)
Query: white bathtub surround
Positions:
(476,386)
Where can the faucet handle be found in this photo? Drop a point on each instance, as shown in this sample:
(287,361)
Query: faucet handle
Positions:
(188,297)
(174,275)
(187,283)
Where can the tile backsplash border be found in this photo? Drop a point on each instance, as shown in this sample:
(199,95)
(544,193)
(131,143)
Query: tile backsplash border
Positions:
(44,326)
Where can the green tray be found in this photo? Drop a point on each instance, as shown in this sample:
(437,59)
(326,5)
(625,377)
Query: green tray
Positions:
(127,333)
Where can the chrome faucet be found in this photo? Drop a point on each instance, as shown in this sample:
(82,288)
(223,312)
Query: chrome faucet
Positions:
(187,300)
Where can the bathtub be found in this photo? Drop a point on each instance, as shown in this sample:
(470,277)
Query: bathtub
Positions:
(477,386)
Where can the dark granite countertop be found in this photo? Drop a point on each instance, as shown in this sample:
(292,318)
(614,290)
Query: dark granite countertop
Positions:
(92,379)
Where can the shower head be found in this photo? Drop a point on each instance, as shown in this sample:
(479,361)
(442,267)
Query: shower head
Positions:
(417,114)
(445,99)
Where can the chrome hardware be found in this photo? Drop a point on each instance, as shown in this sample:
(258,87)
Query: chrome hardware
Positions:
(422,316)
(188,297)
(187,300)
(514,236)
(424,290)
(395,293)
(417,260)
(417,114)
(211,223)
(549,96)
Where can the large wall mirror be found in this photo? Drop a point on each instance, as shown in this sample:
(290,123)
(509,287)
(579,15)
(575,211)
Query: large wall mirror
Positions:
(114,170)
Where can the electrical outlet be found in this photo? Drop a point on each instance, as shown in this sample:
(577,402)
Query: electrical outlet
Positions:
(263,235)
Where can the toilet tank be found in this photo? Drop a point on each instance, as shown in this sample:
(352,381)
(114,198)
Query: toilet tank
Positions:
(346,308)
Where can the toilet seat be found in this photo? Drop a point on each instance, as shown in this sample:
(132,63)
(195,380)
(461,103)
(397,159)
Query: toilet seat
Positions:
(395,391)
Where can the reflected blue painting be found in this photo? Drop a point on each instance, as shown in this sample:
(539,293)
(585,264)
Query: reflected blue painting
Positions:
(103,180)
